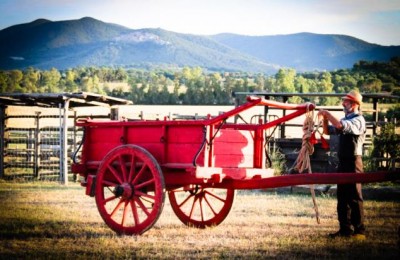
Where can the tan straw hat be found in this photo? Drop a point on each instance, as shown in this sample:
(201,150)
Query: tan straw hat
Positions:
(354,96)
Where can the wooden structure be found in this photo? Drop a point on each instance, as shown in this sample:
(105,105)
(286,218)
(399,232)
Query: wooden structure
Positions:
(62,101)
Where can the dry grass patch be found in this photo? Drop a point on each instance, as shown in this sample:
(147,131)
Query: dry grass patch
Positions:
(46,220)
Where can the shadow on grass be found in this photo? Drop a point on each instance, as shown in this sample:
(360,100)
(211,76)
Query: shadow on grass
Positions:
(27,229)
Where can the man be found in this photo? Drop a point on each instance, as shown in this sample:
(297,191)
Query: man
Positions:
(351,130)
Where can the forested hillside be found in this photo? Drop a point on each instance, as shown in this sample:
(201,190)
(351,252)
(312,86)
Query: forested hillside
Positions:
(88,42)
(309,51)
(195,86)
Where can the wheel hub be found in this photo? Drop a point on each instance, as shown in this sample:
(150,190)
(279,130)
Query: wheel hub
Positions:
(125,190)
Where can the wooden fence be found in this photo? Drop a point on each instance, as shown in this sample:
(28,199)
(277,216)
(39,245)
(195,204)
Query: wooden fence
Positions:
(32,149)
(32,145)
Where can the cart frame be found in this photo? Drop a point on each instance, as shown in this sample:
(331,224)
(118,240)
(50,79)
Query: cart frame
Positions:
(129,166)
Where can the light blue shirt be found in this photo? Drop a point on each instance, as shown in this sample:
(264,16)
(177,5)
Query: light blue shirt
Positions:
(353,124)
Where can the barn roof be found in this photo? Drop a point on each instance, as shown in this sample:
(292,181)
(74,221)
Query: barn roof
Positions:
(81,99)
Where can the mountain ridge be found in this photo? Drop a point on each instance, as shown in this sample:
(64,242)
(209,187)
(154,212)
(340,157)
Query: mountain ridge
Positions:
(90,42)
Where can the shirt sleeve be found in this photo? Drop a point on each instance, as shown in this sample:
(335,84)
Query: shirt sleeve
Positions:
(355,125)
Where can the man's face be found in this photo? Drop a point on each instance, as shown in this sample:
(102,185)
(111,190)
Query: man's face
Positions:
(348,106)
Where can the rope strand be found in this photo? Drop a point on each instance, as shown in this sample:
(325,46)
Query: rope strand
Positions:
(307,148)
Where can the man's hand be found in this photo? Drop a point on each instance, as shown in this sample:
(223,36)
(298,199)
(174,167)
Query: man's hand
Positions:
(321,115)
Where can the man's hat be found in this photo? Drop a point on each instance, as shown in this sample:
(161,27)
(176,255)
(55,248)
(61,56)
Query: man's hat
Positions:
(354,96)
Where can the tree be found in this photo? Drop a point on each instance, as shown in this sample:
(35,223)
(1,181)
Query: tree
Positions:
(30,81)
(70,84)
(49,81)
(371,85)
(387,143)
(96,86)
(343,81)
(285,80)
(163,96)
(3,82)
(269,84)
(388,87)
(87,84)
(15,78)
(393,113)
(192,73)
(259,82)
(326,86)
(301,85)
(285,83)
(120,74)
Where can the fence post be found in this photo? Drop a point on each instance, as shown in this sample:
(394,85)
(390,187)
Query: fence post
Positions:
(60,139)
(375,115)
(74,141)
(64,144)
(36,164)
(2,129)
(285,99)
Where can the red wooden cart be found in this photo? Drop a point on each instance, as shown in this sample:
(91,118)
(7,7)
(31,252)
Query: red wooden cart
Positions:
(129,166)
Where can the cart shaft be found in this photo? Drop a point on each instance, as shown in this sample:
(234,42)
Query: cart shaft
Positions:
(258,182)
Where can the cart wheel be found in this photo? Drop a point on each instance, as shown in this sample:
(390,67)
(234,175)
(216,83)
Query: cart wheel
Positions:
(129,190)
(201,207)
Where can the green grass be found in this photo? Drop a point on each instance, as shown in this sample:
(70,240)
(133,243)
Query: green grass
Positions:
(49,221)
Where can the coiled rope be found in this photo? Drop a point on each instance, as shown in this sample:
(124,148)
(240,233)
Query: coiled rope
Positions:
(307,148)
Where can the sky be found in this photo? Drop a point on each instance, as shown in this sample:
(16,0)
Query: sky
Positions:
(374,21)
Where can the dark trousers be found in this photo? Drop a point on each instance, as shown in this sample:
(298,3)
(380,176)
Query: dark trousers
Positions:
(349,198)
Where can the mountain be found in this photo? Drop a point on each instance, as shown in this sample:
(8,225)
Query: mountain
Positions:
(308,51)
(89,42)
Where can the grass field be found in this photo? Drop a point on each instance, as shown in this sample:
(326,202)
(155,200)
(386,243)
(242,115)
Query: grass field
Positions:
(49,221)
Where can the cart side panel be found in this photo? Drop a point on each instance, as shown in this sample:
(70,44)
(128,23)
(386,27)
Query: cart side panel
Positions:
(149,137)
(101,140)
(144,134)
(184,142)
(233,148)
(168,143)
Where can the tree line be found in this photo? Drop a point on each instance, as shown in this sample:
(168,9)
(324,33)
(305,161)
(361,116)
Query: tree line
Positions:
(196,86)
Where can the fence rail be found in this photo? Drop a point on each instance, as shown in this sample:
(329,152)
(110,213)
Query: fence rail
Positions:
(35,152)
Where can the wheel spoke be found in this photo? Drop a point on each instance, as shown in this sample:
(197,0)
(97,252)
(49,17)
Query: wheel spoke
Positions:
(215,196)
(193,206)
(184,201)
(109,199)
(142,206)
(123,168)
(142,194)
(125,214)
(144,184)
(114,173)
(109,183)
(134,211)
(132,169)
(201,207)
(210,206)
(117,207)
(141,171)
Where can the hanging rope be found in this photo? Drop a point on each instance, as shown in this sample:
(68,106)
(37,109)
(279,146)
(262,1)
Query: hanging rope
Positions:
(307,148)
